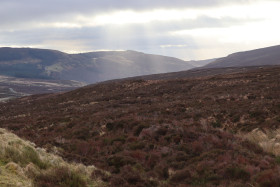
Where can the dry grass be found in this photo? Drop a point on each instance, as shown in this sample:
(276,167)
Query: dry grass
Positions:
(21,163)
(268,140)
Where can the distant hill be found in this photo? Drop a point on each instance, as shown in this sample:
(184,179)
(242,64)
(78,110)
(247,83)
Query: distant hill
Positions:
(87,67)
(107,65)
(257,57)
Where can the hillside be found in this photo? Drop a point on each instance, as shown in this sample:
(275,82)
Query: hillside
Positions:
(257,57)
(163,132)
(86,67)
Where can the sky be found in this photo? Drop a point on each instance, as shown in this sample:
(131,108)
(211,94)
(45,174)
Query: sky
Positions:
(186,29)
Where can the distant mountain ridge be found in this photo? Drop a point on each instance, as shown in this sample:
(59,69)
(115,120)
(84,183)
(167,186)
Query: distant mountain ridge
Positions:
(86,67)
(257,57)
(94,67)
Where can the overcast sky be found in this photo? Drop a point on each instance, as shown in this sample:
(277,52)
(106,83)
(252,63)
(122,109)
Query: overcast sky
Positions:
(187,29)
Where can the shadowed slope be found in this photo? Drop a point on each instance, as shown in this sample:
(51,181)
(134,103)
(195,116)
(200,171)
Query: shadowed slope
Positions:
(86,67)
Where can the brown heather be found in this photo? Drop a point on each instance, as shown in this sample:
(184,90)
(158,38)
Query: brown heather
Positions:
(171,132)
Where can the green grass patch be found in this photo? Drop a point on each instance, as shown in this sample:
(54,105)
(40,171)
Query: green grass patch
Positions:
(28,155)
(32,156)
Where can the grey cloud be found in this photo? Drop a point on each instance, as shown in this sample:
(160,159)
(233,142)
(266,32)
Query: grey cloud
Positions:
(21,15)
(132,36)
(199,22)
(114,38)
(20,12)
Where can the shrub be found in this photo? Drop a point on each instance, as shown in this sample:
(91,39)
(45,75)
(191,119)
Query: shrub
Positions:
(236,119)
(140,128)
(162,131)
(110,126)
(128,177)
(100,174)
(162,171)
(121,139)
(61,177)
(252,96)
(118,162)
(107,141)
(82,133)
(180,176)
(216,124)
(237,173)
(136,145)
(268,178)
(197,146)
(181,156)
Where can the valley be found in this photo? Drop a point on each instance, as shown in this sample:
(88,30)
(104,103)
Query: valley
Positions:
(11,87)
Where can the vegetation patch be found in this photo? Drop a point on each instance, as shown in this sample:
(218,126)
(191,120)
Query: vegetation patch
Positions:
(21,164)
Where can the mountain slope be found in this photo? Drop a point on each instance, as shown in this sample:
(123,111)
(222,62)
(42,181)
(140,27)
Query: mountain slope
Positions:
(87,67)
(263,56)
(112,65)
(29,63)
(162,132)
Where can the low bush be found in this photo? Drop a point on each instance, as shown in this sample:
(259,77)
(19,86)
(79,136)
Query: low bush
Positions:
(59,177)
(139,129)
(181,176)
(216,124)
(237,173)
(136,145)
(268,178)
